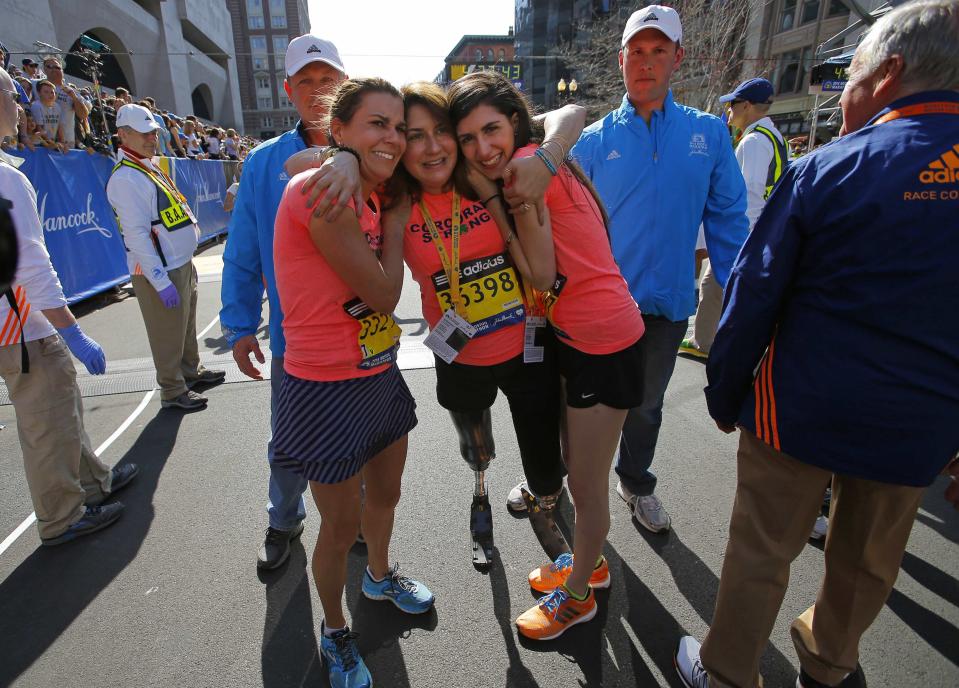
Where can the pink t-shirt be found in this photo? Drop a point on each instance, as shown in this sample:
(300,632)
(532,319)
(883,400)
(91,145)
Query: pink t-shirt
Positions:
(492,292)
(595,313)
(330,333)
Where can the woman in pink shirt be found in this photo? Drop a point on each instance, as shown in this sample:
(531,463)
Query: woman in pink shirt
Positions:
(598,328)
(344,410)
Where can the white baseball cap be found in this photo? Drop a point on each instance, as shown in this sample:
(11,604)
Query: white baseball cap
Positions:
(664,19)
(309,48)
(136,117)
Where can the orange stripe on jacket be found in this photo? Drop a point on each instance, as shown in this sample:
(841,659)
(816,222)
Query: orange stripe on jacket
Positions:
(759,391)
(15,332)
(11,316)
(772,395)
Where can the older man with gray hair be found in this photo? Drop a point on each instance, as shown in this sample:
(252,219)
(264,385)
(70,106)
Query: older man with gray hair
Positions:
(838,361)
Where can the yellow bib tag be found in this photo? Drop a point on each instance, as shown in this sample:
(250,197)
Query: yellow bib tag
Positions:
(378,337)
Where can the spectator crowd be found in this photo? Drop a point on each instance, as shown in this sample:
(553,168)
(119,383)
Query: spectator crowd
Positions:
(62,116)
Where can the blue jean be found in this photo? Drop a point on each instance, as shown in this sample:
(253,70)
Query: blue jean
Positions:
(286,506)
(637,445)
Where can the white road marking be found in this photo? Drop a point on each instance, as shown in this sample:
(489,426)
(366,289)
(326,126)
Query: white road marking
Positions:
(29,520)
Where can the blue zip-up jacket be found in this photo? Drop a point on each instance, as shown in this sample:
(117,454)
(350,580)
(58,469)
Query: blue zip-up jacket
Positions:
(248,256)
(659,183)
(845,296)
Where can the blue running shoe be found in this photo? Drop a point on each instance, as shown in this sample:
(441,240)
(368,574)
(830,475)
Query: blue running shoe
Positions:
(409,595)
(343,661)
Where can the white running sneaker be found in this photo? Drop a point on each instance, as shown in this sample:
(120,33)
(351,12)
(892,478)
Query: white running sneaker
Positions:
(819,528)
(647,509)
(514,500)
(688,664)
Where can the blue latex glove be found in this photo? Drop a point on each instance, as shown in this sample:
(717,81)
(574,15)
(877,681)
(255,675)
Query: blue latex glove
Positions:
(87,351)
(169,296)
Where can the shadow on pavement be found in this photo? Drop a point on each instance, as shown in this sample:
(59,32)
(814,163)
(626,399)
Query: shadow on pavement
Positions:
(290,654)
(516,673)
(52,587)
(940,515)
(941,635)
(420,326)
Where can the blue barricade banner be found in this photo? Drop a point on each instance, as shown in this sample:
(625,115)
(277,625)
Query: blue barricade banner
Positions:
(79,227)
(204,183)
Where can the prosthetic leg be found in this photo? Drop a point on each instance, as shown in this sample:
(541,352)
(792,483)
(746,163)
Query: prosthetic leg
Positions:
(475,430)
(542,519)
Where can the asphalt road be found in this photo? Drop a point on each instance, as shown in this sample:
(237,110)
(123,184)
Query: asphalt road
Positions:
(170,595)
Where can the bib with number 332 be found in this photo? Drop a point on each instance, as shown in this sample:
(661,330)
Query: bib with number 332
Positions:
(378,337)
(491,294)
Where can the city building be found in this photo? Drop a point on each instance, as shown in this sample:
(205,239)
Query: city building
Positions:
(262,29)
(787,38)
(180,53)
(476,52)
(541,25)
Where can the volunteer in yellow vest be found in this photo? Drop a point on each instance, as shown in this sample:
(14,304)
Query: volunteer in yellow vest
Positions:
(763,155)
(160,234)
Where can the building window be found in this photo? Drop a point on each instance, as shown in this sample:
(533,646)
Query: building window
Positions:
(787,70)
(255,22)
(282,99)
(810,11)
(289,121)
(265,103)
(258,45)
(278,21)
(279,51)
(254,7)
(502,54)
(263,82)
(266,121)
(787,18)
(259,62)
(489,55)
(837,8)
(479,55)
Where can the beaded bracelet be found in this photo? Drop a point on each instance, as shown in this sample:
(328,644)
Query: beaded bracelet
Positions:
(546,161)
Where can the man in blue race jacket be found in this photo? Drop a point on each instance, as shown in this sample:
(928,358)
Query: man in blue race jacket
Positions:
(837,357)
(313,68)
(661,169)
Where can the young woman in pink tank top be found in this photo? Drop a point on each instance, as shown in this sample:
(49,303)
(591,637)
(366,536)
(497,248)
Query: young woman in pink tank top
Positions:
(344,411)
(598,328)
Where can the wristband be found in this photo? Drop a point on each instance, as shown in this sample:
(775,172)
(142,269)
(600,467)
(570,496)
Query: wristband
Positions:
(495,195)
(347,149)
(546,161)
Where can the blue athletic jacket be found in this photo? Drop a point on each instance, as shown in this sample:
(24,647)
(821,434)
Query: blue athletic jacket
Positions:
(844,295)
(659,182)
(248,257)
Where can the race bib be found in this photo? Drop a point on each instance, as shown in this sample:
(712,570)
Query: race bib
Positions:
(378,337)
(490,291)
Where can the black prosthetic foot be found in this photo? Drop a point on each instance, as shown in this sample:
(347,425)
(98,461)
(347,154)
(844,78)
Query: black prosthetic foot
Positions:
(481,532)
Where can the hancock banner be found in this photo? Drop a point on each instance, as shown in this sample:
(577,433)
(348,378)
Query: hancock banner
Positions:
(78,222)
(79,226)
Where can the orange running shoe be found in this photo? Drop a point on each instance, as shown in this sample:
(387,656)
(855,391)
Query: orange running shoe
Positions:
(555,613)
(548,578)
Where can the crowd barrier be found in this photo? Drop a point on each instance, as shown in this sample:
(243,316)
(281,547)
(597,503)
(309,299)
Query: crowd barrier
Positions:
(79,227)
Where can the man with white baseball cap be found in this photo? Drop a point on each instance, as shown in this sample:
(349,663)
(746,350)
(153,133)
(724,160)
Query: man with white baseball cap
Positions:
(314,68)
(160,234)
(662,169)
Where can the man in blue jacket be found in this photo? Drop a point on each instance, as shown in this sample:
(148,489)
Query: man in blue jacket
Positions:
(313,68)
(661,169)
(843,302)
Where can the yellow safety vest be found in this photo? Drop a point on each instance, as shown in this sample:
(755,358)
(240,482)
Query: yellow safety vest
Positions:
(778,164)
(173,212)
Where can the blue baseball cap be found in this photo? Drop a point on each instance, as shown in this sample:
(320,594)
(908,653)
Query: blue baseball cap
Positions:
(756,90)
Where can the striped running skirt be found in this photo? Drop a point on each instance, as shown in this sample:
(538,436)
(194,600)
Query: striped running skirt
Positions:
(327,431)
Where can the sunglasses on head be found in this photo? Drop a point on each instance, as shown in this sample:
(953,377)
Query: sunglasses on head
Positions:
(53,66)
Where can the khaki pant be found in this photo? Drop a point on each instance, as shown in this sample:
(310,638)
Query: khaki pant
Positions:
(709,311)
(62,470)
(171,331)
(777,501)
